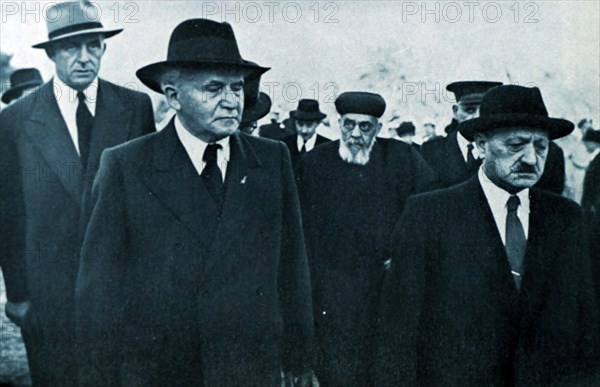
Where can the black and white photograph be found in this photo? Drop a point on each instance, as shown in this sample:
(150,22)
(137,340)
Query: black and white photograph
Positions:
(371,193)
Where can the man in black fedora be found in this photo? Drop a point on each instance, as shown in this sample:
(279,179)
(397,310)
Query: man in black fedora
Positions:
(195,272)
(256,105)
(352,192)
(306,119)
(51,141)
(406,133)
(22,82)
(489,282)
(454,159)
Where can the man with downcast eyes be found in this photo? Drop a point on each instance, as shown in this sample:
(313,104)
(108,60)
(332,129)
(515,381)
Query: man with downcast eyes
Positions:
(352,192)
(489,282)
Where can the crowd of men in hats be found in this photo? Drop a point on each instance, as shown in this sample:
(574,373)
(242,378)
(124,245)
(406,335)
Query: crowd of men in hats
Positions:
(203,255)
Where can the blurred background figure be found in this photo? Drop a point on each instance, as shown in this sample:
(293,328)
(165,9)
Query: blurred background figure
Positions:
(429,131)
(22,82)
(578,155)
(256,105)
(306,118)
(405,132)
(591,183)
(276,130)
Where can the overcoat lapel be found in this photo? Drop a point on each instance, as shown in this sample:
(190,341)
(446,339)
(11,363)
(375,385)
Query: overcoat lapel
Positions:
(492,258)
(176,183)
(47,130)
(457,170)
(111,123)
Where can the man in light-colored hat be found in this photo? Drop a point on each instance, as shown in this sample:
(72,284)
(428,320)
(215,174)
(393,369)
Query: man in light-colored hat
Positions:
(307,118)
(197,271)
(489,282)
(51,141)
(352,192)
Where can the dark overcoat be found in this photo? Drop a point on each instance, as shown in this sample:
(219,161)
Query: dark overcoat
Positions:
(349,212)
(451,314)
(445,158)
(42,216)
(172,292)
(292,144)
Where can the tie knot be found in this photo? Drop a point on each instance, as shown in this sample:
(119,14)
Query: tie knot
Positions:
(513,203)
(210,153)
(81,96)
(470,147)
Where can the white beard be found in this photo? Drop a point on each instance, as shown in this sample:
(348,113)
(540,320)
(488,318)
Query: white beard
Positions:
(360,158)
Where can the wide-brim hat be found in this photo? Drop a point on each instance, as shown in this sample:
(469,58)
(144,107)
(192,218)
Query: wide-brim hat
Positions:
(592,135)
(406,127)
(514,106)
(74,18)
(197,44)
(21,80)
(308,110)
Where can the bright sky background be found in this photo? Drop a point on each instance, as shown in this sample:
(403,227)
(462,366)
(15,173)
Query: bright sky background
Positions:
(560,52)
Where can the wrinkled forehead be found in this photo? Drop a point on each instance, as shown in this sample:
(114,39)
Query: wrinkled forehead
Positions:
(358,117)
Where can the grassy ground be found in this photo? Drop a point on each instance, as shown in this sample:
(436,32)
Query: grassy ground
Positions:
(13,360)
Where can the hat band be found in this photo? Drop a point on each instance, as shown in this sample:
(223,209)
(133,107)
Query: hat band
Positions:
(74,28)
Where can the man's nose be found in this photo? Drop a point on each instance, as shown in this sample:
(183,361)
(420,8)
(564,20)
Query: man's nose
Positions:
(231,99)
(355,132)
(529,155)
(84,54)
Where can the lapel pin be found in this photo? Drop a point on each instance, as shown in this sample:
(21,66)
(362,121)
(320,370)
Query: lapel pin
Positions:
(243,180)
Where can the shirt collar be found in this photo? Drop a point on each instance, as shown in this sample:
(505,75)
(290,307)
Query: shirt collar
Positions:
(196,146)
(309,144)
(497,197)
(65,93)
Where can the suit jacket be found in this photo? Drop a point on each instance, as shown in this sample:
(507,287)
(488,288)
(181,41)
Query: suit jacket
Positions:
(274,131)
(451,314)
(188,295)
(591,188)
(445,158)
(292,144)
(42,200)
(349,212)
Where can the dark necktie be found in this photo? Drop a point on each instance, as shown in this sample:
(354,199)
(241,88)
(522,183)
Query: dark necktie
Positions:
(303,149)
(211,174)
(85,121)
(515,240)
(473,164)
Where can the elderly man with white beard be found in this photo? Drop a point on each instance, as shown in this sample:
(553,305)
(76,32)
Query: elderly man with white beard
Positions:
(352,192)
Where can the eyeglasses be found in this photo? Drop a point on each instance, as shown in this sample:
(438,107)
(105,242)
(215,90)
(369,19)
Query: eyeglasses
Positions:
(364,126)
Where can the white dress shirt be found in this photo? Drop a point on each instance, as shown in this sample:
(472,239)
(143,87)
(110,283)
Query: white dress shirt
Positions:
(310,144)
(66,98)
(497,199)
(195,149)
(463,144)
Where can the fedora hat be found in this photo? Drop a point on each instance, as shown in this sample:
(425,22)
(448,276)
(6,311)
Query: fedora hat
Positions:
(21,80)
(256,103)
(308,109)
(199,43)
(470,92)
(73,18)
(511,106)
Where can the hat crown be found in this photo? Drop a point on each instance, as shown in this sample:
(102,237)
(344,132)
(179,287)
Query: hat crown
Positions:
(360,102)
(25,76)
(71,16)
(512,99)
(203,40)
(308,106)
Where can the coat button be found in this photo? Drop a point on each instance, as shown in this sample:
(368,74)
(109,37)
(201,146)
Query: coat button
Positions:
(259,291)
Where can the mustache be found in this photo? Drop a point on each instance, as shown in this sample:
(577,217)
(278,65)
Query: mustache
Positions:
(525,168)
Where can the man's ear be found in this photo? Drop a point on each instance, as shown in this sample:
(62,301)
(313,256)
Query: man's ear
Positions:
(480,141)
(171,93)
(378,126)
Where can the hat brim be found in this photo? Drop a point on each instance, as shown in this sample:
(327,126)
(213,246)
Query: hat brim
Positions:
(556,127)
(300,115)
(15,92)
(261,108)
(150,74)
(107,34)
